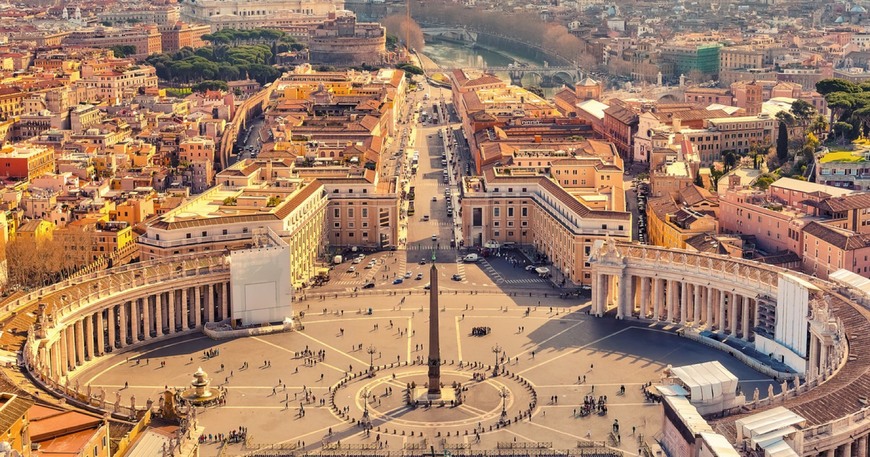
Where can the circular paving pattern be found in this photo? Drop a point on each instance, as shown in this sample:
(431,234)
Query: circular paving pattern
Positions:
(388,391)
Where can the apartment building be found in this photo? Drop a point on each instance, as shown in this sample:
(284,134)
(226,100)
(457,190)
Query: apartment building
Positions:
(528,207)
(116,84)
(827,248)
(671,225)
(145,38)
(25,161)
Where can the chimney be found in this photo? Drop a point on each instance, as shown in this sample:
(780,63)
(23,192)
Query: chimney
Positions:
(538,139)
(678,125)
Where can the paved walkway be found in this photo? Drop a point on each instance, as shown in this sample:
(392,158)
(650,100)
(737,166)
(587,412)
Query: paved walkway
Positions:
(549,348)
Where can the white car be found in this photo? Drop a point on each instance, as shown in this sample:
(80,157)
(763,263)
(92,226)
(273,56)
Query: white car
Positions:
(407,274)
(357,260)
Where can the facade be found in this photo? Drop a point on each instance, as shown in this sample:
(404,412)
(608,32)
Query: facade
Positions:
(116,84)
(529,208)
(160,15)
(177,35)
(670,225)
(224,217)
(238,14)
(849,170)
(146,39)
(24,161)
(827,248)
(343,41)
(684,58)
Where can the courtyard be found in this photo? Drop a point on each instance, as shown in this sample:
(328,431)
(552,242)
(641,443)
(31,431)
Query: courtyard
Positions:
(550,353)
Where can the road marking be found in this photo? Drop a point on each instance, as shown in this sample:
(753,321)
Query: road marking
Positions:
(578,437)
(581,348)
(294,352)
(458,339)
(112,367)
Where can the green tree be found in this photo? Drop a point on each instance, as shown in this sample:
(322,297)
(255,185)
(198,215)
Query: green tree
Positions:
(210,85)
(802,111)
(842,129)
(782,143)
(828,86)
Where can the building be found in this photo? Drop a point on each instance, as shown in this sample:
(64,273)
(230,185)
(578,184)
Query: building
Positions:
(145,38)
(54,431)
(225,217)
(113,85)
(344,41)
(529,207)
(179,34)
(238,14)
(147,14)
(23,161)
(671,225)
(827,248)
(14,428)
(682,59)
(846,169)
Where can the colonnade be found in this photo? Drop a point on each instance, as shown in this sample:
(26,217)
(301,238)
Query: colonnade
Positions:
(133,321)
(677,300)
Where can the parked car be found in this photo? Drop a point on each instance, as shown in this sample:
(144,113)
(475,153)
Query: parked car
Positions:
(352,269)
(427,286)
(407,274)
(456,277)
(419,276)
(369,285)
(398,281)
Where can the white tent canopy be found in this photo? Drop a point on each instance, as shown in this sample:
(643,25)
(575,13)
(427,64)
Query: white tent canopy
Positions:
(706,381)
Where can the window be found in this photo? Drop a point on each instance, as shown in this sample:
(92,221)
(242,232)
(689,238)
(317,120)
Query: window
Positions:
(336,213)
(496,233)
(496,212)
(524,212)
(187,235)
(603,226)
(204,233)
(510,212)
(225,231)
(338,225)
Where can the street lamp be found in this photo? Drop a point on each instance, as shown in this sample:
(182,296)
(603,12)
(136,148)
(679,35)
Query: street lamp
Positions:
(365,422)
(503,394)
(371,350)
(497,350)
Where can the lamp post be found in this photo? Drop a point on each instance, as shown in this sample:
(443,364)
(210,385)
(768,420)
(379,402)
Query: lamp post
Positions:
(503,394)
(365,422)
(371,350)
(496,350)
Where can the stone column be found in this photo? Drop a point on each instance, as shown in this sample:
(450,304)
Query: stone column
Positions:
(146,317)
(831,452)
(101,338)
(721,324)
(171,310)
(80,342)
(862,446)
(88,337)
(135,320)
(185,310)
(744,319)
(70,346)
(732,318)
(110,323)
(644,296)
(596,290)
(624,294)
(158,315)
(657,298)
(52,361)
(696,312)
(225,301)
(684,302)
(671,299)
(708,317)
(846,450)
(600,304)
(122,320)
(197,306)
(209,303)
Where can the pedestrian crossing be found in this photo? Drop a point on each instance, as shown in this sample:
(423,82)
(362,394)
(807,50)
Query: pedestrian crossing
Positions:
(526,281)
(492,272)
(426,246)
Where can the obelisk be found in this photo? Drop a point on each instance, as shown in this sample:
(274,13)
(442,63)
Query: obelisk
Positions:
(434,340)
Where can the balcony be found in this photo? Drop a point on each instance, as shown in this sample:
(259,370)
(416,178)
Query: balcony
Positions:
(165,244)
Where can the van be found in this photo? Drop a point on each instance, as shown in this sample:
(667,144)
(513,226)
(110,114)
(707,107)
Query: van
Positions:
(470,258)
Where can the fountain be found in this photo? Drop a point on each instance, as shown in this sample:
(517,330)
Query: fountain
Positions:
(199,392)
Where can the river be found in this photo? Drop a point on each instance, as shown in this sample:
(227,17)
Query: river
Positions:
(453,55)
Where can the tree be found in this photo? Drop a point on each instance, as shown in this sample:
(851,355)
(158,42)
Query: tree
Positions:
(842,129)
(782,143)
(210,85)
(802,111)
(123,50)
(729,159)
(831,85)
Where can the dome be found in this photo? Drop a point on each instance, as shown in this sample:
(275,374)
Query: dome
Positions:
(858,9)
